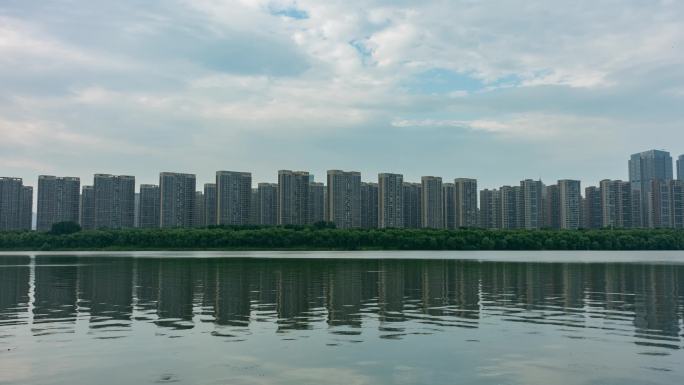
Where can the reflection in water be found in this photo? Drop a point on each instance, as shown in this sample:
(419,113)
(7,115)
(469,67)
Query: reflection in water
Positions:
(294,294)
(639,304)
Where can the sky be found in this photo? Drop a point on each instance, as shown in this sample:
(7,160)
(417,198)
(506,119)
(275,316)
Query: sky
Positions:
(496,90)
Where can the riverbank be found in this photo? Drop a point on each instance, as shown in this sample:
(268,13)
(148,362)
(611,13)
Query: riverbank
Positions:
(314,238)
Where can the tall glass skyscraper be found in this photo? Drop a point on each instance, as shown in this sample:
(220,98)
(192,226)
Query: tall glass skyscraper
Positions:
(645,167)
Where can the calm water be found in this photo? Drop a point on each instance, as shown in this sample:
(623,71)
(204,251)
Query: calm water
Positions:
(478,318)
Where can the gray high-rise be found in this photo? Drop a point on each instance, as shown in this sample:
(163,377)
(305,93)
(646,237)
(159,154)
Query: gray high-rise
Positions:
(570,199)
(643,168)
(58,201)
(87,211)
(369,205)
(148,212)
(680,167)
(531,203)
(431,202)
(412,205)
(551,207)
(511,212)
(114,197)
(317,202)
(177,199)
(466,202)
(268,204)
(15,210)
(293,197)
(617,203)
(233,197)
(449,205)
(198,217)
(209,204)
(490,206)
(677,199)
(592,208)
(390,200)
(344,198)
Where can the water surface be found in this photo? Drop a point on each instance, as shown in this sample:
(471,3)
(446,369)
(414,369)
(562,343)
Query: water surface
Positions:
(379,318)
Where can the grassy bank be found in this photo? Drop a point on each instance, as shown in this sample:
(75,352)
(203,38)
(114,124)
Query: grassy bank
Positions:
(316,238)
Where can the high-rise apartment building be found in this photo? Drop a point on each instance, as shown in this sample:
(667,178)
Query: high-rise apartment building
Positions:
(16,204)
(268,204)
(233,197)
(592,215)
(317,202)
(293,197)
(148,212)
(570,204)
(643,168)
(390,200)
(87,210)
(490,205)
(176,199)
(209,204)
(369,205)
(677,199)
(412,205)
(511,213)
(344,198)
(432,211)
(198,217)
(660,204)
(551,207)
(254,207)
(617,203)
(449,205)
(531,203)
(114,197)
(466,202)
(680,167)
(58,201)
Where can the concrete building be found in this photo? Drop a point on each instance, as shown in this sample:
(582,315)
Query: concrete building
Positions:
(209,197)
(466,202)
(617,203)
(660,204)
(16,204)
(592,216)
(317,202)
(490,205)
(233,197)
(551,207)
(677,200)
(531,203)
(511,212)
(390,200)
(412,205)
(114,197)
(449,205)
(268,204)
(58,201)
(570,204)
(176,199)
(344,198)
(369,205)
(148,215)
(680,167)
(87,210)
(198,216)
(644,167)
(432,210)
(254,207)
(293,197)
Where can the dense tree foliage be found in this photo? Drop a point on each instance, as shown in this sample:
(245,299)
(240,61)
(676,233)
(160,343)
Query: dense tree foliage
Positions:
(321,237)
(61,228)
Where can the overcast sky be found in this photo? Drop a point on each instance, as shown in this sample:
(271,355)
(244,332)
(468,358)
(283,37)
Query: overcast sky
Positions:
(498,90)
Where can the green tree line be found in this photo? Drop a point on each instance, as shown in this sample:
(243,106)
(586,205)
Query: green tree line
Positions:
(326,237)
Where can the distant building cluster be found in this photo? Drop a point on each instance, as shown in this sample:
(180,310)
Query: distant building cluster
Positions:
(651,198)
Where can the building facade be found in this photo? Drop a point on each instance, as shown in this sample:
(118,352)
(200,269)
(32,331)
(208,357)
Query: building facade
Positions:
(466,202)
(87,210)
(617,203)
(592,216)
(148,212)
(390,200)
(643,168)
(432,210)
(532,191)
(114,199)
(317,202)
(293,197)
(449,205)
(233,197)
(176,199)
(58,201)
(209,197)
(268,204)
(490,205)
(369,205)
(412,205)
(344,198)
(15,209)
(570,200)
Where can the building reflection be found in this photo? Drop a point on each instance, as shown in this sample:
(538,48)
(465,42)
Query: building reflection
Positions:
(401,296)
